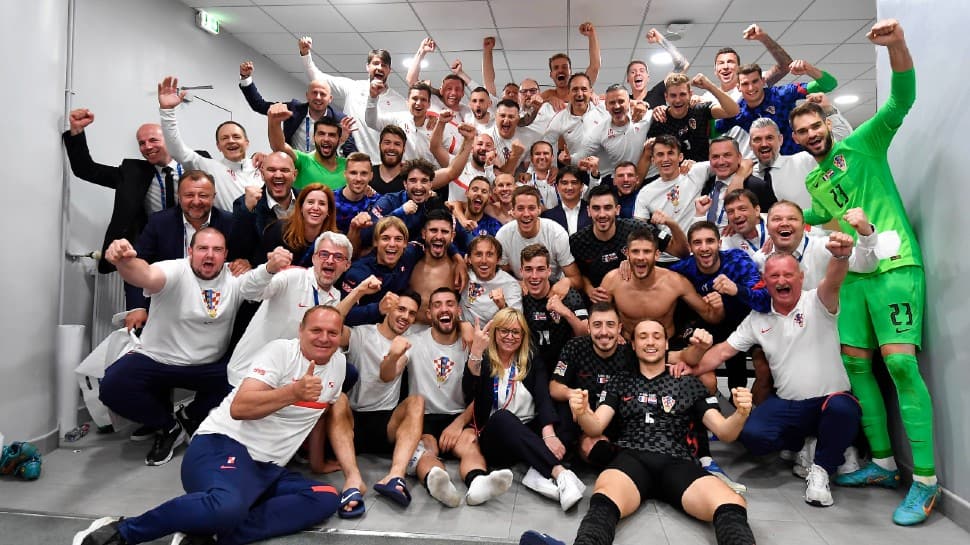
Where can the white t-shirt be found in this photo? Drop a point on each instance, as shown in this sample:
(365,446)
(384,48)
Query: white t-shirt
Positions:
(802,348)
(458,187)
(231,178)
(475,302)
(612,144)
(276,437)
(434,372)
(287,298)
(353,95)
(418,144)
(575,130)
(463,115)
(675,197)
(367,348)
(551,235)
(191,319)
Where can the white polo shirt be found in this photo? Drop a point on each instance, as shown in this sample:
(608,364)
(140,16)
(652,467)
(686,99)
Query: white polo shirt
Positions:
(287,298)
(418,145)
(276,437)
(802,348)
(813,257)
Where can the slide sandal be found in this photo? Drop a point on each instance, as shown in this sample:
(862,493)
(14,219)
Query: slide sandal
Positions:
(349,495)
(401,497)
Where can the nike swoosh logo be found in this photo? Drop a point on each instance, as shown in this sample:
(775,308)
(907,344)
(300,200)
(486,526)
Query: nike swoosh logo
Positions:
(766,330)
(898,330)
(227,467)
(345,497)
(627,398)
(301,305)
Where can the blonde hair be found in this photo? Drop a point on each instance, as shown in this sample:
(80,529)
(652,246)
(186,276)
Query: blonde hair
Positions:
(505,317)
(676,78)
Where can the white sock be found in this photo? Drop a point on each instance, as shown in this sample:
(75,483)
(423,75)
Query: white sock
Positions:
(486,487)
(928,481)
(706,461)
(441,488)
(889,464)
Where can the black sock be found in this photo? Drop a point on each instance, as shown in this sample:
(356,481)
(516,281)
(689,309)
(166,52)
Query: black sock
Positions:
(599,524)
(602,453)
(731,525)
(471,476)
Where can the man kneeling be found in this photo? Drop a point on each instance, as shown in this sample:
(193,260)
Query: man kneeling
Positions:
(237,486)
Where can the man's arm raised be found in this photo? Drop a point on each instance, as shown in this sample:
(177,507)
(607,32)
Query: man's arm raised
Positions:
(134,270)
(782,58)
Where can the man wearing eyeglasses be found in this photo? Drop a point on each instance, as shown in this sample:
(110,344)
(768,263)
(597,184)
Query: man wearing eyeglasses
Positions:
(291,293)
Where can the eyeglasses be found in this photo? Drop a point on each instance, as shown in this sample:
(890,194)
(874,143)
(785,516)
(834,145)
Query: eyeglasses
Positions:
(325,255)
(505,332)
(529,91)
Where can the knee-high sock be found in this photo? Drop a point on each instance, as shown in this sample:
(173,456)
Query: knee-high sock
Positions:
(599,524)
(866,390)
(731,525)
(916,410)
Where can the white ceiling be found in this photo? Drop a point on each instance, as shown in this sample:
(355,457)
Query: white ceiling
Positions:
(827,33)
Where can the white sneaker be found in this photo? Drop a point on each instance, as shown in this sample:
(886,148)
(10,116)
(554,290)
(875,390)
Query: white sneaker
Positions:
(851,462)
(805,458)
(105,536)
(441,488)
(534,480)
(571,489)
(817,491)
(486,487)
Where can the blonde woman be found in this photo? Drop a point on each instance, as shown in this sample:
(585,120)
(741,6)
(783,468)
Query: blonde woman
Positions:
(514,415)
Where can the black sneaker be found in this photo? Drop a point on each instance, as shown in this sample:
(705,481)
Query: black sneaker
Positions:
(143,433)
(188,424)
(103,531)
(165,444)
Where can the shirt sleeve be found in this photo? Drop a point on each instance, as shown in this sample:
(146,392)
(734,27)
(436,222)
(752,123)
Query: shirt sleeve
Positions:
(877,133)
(173,141)
(564,372)
(743,337)
(173,270)
(265,366)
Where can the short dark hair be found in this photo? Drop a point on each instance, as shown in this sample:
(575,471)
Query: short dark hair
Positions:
(421,86)
(724,50)
(328,121)
(422,165)
(528,191)
(195,175)
(444,289)
(601,190)
(580,175)
(560,56)
(382,54)
(603,306)
(701,225)
(668,140)
(508,103)
(642,233)
(438,214)
(413,295)
(230,122)
(479,89)
(579,75)
(630,65)
(806,108)
(535,250)
(725,138)
(453,77)
(532,148)
(396,131)
(750,69)
(737,194)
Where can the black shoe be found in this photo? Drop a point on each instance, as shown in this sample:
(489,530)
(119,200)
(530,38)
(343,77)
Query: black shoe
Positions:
(103,531)
(143,433)
(188,424)
(186,539)
(165,444)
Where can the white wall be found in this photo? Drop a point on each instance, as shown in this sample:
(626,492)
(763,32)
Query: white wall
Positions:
(929,157)
(121,51)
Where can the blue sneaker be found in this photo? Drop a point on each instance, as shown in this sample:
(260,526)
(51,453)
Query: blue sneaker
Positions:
(716,470)
(918,504)
(531,537)
(869,475)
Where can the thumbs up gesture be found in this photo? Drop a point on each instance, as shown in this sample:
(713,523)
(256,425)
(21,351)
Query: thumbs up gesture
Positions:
(309,387)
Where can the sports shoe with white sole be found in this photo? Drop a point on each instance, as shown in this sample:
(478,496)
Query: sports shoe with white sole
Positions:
(571,489)
(817,490)
(186,539)
(534,480)
(805,458)
(716,470)
(851,462)
(870,475)
(103,531)
(165,444)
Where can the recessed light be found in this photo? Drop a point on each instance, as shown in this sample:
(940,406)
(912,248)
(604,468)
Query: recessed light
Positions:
(661,58)
(846,99)
(408,61)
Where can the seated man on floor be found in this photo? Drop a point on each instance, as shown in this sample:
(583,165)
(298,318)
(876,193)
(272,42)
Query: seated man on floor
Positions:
(654,461)
(237,487)
(801,341)
(185,339)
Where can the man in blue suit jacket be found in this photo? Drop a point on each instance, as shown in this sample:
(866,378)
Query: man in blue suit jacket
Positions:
(571,212)
(167,234)
(298,129)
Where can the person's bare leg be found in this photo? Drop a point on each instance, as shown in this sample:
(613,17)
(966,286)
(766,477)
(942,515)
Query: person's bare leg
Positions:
(340,432)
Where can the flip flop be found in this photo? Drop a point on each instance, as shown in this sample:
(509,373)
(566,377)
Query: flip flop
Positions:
(389,490)
(349,495)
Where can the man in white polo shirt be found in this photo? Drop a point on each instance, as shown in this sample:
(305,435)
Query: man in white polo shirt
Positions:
(238,489)
(800,339)
(184,341)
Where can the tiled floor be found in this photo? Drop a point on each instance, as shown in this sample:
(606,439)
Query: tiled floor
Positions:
(106,475)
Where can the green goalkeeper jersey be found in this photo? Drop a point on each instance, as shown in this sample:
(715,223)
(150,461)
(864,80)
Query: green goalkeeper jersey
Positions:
(856,174)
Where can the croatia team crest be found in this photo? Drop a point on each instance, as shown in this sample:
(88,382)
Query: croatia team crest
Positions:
(839,162)
(674,196)
(443,367)
(668,403)
(692,123)
(770,109)
(475,290)
(800,319)
(210,298)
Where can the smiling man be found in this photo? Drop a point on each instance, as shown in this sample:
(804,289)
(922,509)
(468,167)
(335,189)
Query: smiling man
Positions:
(185,339)
(323,165)
(690,124)
(673,193)
(261,206)
(231,174)
(416,123)
(436,268)
(621,139)
(356,196)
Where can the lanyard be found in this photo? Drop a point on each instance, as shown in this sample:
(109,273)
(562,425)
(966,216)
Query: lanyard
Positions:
(761,234)
(509,385)
(316,297)
(306,125)
(161,182)
(804,245)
